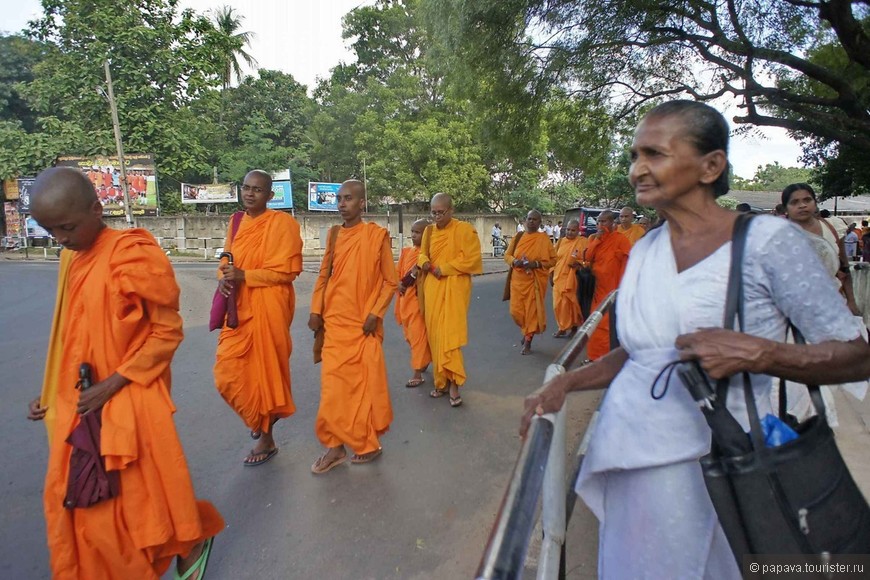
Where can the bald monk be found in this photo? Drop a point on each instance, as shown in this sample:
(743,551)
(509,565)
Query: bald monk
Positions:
(408,313)
(350,305)
(117,311)
(607,253)
(252,370)
(628,228)
(449,256)
(644,223)
(563,279)
(531,258)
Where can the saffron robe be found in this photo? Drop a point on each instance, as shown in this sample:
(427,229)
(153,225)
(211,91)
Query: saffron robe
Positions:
(408,314)
(252,370)
(608,254)
(566,308)
(121,315)
(455,251)
(634,232)
(355,404)
(529,287)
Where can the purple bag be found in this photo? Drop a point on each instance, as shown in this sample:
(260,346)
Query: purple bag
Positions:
(223,308)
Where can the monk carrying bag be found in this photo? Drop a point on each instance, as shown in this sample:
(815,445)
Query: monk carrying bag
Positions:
(794,498)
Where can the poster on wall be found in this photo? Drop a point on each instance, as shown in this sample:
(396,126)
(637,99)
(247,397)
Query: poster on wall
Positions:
(24,186)
(209,193)
(323,196)
(105,173)
(10,189)
(283,198)
(13,219)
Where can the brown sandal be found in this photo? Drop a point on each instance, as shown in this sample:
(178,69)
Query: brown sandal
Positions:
(366,457)
(320,466)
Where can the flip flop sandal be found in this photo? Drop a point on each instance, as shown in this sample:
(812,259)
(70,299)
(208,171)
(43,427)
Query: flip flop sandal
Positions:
(366,457)
(456,401)
(437,393)
(200,563)
(415,383)
(317,467)
(267,455)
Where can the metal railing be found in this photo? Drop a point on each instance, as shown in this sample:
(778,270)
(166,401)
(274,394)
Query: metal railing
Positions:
(540,471)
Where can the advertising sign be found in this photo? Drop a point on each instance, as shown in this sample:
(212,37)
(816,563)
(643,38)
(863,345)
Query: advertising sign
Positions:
(105,173)
(24,186)
(10,189)
(34,230)
(283,198)
(323,196)
(209,193)
(13,219)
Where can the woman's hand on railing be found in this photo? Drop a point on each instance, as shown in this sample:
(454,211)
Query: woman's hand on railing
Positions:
(547,399)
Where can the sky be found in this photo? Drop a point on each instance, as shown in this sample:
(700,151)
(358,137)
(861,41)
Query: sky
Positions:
(303,38)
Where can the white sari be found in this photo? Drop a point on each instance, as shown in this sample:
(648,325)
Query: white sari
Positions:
(641,475)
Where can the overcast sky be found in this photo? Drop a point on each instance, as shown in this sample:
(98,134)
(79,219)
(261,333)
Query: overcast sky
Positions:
(303,38)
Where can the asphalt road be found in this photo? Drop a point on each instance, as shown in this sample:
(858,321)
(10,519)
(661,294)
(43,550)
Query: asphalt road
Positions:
(423,510)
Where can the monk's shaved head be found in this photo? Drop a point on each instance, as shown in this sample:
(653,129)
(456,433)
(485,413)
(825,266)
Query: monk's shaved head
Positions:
(62,188)
(534,214)
(607,214)
(355,187)
(575,223)
(261,174)
(442,199)
(420,223)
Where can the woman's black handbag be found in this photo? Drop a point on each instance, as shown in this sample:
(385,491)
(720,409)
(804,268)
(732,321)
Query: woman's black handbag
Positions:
(796,498)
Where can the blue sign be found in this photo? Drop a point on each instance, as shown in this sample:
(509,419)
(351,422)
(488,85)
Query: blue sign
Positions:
(283,198)
(323,196)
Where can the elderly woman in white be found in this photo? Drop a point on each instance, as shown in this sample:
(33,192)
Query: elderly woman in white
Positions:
(641,475)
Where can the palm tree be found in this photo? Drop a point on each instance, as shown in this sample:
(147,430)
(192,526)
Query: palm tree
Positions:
(228,22)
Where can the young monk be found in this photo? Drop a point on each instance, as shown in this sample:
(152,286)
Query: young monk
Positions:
(118,312)
(408,314)
(449,256)
(252,371)
(531,259)
(349,304)
(563,279)
(608,254)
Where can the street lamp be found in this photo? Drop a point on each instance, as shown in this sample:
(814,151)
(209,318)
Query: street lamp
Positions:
(128,211)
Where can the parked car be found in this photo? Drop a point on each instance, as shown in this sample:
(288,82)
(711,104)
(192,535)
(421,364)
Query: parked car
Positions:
(586,216)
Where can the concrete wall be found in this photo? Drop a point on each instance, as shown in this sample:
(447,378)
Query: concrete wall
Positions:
(202,233)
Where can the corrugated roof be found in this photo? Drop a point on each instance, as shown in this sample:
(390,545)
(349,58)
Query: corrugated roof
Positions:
(767,200)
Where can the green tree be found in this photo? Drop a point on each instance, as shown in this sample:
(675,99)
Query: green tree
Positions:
(18,56)
(228,22)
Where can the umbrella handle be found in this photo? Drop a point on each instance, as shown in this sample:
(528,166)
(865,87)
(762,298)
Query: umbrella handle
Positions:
(228,256)
(85,380)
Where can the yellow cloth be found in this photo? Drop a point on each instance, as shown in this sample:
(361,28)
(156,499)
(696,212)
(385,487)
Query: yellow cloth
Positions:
(122,316)
(252,367)
(408,314)
(355,404)
(529,287)
(54,355)
(634,232)
(566,308)
(455,251)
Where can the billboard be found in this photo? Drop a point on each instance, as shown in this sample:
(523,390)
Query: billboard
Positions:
(283,198)
(323,196)
(209,193)
(105,173)
(24,186)
(10,189)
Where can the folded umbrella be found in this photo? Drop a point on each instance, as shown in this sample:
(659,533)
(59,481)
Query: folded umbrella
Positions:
(223,308)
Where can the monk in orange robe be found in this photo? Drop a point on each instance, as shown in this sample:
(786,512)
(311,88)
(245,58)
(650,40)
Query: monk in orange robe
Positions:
(252,370)
(119,313)
(531,258)
(356,283)
(628,228)
(449,256)
(563,279)
(408,313)
(608,254)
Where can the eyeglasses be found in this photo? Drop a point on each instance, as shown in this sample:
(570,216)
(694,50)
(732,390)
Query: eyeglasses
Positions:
(253,188)
(439,213)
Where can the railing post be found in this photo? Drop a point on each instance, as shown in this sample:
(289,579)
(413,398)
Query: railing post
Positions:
(553,520)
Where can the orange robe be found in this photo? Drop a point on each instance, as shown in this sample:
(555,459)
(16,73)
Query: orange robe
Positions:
(252,370)
(455,250)
(634,232)
(565,305)
(121,315)
(608,255)
(408,314)
(529,288)
(354,399)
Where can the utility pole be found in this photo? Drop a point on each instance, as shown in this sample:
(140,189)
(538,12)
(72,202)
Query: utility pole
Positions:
(365,184)
(128,211)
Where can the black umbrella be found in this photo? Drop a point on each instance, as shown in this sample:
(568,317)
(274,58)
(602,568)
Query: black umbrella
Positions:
(89,482)
(585,290)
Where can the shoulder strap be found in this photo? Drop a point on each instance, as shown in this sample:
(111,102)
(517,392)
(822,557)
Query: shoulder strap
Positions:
(235,222)
(734,295)
(515,241)
(831,227)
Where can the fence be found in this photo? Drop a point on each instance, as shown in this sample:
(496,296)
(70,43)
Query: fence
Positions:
(540,472)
